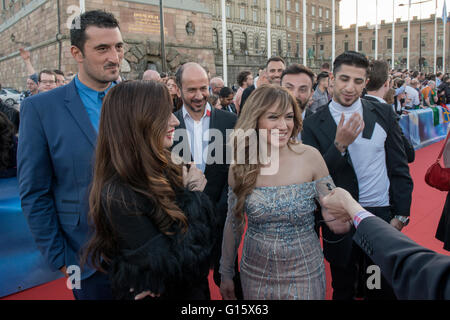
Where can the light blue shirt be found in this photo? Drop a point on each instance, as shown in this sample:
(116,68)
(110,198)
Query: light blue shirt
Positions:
(92,101)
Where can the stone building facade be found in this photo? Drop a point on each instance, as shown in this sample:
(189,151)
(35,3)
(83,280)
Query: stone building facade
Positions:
(247,32)
(345,40)
(42,27)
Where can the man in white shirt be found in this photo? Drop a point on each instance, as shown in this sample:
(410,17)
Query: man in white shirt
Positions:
(412,94)
(200,144)
(362,146)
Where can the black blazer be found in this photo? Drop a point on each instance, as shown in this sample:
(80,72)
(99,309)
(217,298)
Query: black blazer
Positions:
(319,131)
(175,266)
(413,271)
(231,106)
(409,149)
(308,113)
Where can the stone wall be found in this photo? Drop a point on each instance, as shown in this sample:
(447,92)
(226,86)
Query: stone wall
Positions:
(36,27)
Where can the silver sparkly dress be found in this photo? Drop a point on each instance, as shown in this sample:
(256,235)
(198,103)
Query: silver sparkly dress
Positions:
(282,258)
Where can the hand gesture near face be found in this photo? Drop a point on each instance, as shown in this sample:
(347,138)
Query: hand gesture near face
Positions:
(347,132)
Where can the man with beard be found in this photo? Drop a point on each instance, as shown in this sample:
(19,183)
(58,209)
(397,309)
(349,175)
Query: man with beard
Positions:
(199,144)
(362,146)
(299,79)
(58,133)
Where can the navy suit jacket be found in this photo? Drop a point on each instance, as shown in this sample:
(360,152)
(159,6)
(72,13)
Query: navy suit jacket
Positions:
(413,271)
(55,164)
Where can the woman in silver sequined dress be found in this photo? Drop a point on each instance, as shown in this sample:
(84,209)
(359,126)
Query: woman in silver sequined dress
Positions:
(276,189)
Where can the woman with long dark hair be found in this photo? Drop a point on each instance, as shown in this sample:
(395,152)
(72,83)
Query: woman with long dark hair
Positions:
(153,233)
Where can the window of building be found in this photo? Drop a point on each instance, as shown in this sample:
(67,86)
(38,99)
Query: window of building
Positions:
(360,45)
(288,4)
(229,40)
(297,6)
(228,11)
(373,44)
(278,21)
(244,46)
(278,4)
(321,47)
(313,26)
(297,50)
(346,46)
(242,13)
(255,15)
(256,42)
(288,22)
(405,43)
(297,23)
(320,12)
(389,43)
(327,14)
(313,10)
(320,27)
(279,47)
(215,39)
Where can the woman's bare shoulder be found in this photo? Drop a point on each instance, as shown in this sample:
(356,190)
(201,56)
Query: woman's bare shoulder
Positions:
(306,150)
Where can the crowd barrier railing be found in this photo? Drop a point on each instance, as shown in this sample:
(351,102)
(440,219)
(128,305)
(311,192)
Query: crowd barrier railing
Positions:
(425,126)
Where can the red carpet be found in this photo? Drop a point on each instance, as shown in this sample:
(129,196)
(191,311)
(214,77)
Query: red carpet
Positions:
(425,213)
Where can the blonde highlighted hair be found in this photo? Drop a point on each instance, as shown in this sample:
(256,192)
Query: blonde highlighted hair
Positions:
(259,102)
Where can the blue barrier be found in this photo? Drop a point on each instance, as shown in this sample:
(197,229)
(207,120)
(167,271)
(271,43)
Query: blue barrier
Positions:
(21,264)
(419,127)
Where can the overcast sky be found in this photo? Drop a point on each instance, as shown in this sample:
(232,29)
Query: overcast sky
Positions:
(366,10)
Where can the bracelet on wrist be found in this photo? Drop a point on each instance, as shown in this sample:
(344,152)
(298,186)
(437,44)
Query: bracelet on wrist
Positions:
(340,146)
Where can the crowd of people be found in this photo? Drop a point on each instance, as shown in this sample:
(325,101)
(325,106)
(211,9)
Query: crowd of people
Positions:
(126,180)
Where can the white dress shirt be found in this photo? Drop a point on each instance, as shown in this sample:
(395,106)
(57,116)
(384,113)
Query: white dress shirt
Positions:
(198,135)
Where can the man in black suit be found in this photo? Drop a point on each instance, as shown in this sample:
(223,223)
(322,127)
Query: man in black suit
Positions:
(272,74)
(363,149)
(203,140)
(414,272)
(226,96)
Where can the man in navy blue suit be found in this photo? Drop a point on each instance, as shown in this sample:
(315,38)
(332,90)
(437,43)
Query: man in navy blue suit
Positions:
(58,133)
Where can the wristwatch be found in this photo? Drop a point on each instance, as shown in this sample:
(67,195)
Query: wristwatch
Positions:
(402,219)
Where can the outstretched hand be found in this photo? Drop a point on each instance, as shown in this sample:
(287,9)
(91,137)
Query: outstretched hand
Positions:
(340,205)
(24,54)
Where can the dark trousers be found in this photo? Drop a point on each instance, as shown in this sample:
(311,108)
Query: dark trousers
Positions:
(96,287)
(350,281)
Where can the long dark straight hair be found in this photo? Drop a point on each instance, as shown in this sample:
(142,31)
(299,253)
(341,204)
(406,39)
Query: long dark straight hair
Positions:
(133,124)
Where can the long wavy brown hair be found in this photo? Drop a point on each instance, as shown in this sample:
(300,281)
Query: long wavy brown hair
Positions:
(133,124)
(259,102)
